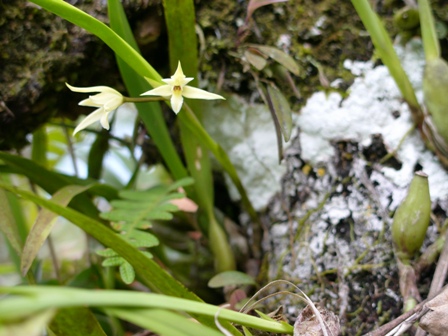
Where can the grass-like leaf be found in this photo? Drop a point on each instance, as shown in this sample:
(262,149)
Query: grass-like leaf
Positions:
(44,223)
(8,224)
(163,322)
(150,113)
(29,300)
(383,46)
(429,34)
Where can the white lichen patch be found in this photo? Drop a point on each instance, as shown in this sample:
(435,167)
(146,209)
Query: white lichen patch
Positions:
(330,223)
(374,106)
(247,134)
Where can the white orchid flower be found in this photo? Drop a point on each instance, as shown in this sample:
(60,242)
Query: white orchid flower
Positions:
(177,88)
(107,100)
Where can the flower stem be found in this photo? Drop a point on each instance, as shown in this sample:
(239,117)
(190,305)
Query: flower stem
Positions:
(142,99)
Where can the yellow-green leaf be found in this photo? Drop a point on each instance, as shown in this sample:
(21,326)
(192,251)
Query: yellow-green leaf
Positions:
(282,111)
(230,278)
(127,273)
(31,326)
(278,56)
(44,223)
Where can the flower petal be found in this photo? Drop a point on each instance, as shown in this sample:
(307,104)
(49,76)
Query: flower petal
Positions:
(195,93)
(105,121)
(89,120)
(92,89)
(179,73)
(164,91)
(113,103)
(178,81)
(176,102)
(89,102)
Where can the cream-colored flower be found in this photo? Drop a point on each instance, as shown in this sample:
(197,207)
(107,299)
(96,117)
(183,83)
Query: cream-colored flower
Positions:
(177,88)
(107,100)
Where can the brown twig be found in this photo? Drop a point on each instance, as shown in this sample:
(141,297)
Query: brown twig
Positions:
(419,310)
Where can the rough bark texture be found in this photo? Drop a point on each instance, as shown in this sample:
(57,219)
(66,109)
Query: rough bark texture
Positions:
(40,52)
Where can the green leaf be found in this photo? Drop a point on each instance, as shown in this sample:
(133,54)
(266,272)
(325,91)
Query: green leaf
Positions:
(150,113)
(52,182)
(148,254)
(257,61)
(39,147)
(429,34)
(43,225)
(163,322)
(97,152)
(143,239)
(231,278)
(264,316)
(282,111)
(246,332)
(78,321)
(113,261)
(184,182)
(127,273)
(31,326)
(150,273)
(106,253)
(28,300)
(279,56)
(383,45)
(8,224)
(139,208)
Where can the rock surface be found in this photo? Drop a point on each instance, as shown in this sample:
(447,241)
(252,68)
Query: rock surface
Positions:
(330,225)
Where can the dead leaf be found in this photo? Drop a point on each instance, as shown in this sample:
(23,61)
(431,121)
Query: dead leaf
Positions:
(255,4)
(435,321)
(307,323)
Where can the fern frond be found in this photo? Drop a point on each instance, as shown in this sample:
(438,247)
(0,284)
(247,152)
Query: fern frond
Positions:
(133,214)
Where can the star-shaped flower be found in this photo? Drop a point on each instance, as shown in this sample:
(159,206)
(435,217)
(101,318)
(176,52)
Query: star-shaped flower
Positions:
(176,87)
(107,100)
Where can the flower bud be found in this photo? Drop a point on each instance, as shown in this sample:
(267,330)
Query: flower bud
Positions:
(412,217)
(435,88)
(407,18)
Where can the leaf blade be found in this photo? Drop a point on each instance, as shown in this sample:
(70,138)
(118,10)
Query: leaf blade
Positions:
(43,225)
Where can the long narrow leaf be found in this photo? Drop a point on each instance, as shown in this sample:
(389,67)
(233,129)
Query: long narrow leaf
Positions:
(31,326)
(43,225)
(139,64)
(47,180)
(76,322)
(163,322)
(385,49)
(8,224)
(36,298)
(150,113)
(429,34)
(183,47)
(149,272)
